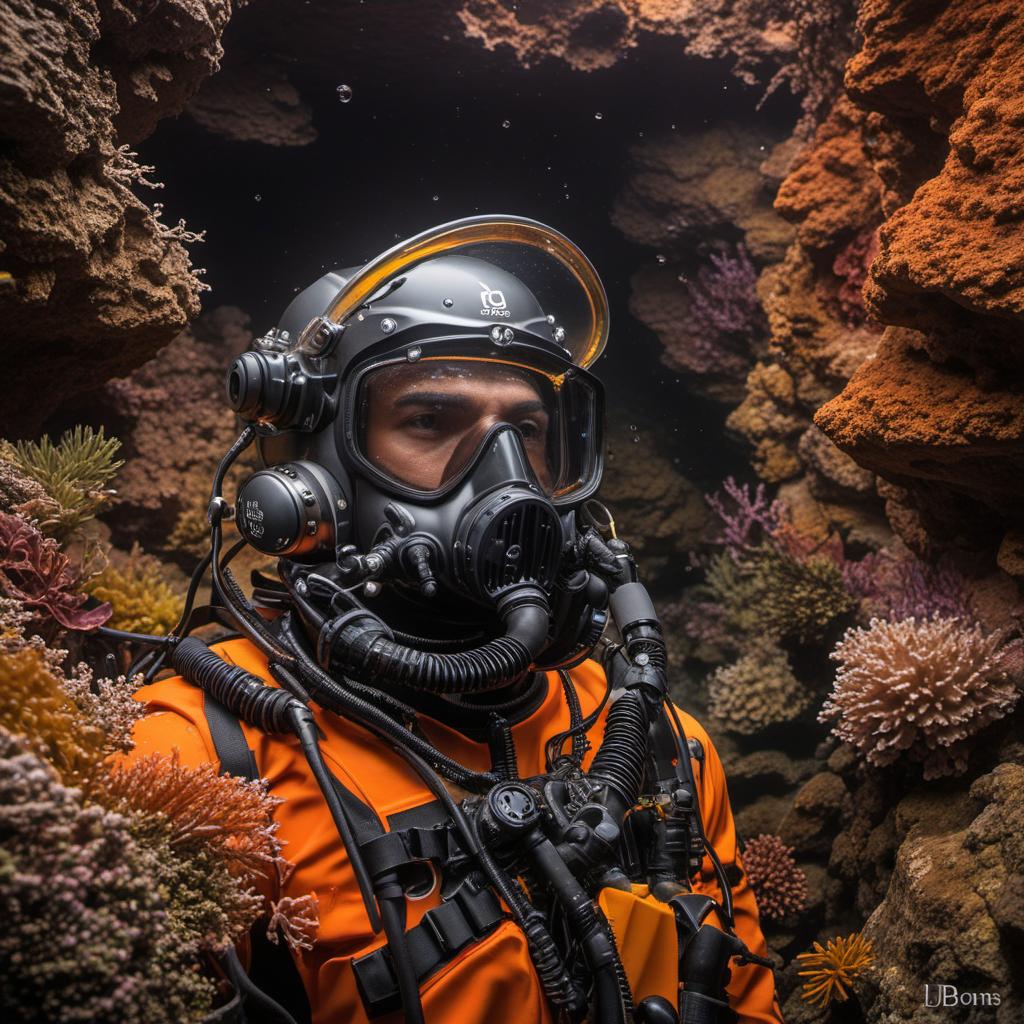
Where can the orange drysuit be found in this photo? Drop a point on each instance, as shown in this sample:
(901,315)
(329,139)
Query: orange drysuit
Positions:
(493,980)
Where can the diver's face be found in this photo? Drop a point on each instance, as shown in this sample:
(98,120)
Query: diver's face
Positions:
(425,421)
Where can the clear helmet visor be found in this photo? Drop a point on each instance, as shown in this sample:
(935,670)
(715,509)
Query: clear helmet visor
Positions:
(421,425)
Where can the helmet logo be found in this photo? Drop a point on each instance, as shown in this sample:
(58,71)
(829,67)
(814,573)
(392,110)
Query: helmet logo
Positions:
(492,302)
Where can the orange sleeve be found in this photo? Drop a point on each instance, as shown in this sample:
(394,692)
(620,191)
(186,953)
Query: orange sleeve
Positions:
(751,987)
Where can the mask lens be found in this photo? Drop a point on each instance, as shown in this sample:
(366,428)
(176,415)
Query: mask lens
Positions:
(421,424)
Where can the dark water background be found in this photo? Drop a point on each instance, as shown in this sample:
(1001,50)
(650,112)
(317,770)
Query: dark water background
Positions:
(421,142)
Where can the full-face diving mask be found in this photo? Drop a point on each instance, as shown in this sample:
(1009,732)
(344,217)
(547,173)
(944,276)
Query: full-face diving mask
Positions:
(428,421)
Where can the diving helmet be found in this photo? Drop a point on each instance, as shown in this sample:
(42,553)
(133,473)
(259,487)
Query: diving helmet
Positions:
(428,423)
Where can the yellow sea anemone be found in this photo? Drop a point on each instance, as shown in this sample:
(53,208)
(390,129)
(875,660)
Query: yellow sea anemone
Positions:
(830,970)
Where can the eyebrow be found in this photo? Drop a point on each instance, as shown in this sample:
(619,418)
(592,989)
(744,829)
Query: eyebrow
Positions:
(450,400)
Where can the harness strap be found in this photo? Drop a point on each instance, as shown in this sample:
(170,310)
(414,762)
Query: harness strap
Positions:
(466,916)
(271,963)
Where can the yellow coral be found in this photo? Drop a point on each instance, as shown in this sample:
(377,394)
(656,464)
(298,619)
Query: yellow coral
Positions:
(838,964)
(34,703)
(142,600)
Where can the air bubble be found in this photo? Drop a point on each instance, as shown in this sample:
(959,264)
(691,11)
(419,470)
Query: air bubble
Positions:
(506,123)
(660,258)
(258,198)
(550,318)
(598,115)
(448,303)
(435,198)
(344,93)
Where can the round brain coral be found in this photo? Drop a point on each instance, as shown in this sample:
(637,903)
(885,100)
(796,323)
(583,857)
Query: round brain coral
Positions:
(757,691)
(919,689)
(779,885)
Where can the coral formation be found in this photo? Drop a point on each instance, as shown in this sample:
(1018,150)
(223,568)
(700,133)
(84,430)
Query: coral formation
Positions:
(918,689)
(939,411)
(757,691)
(141,598)
(72,475)
(99,284)
(36,572)
(86,933)
(780,886)
(254,102)
(684,189)
(833,968)
(953,906)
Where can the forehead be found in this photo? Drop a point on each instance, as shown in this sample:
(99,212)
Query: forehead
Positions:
(447,375)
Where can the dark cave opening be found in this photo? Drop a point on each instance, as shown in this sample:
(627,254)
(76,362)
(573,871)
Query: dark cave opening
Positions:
(423,141)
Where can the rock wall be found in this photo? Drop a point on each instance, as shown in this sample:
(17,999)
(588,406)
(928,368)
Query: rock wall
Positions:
(940,411)
(97,283)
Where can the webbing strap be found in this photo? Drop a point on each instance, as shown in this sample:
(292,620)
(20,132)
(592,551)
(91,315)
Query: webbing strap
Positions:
(229,740)
(471,912)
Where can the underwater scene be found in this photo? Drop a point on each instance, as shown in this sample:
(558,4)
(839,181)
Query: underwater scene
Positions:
(512,511)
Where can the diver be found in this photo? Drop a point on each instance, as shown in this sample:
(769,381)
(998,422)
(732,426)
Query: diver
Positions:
(497,825)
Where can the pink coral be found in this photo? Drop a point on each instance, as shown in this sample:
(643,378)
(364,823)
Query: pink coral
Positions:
(723,296)
(779,885)
(851,267)
(36,572)
(747,518)
(920,689)
(901,586)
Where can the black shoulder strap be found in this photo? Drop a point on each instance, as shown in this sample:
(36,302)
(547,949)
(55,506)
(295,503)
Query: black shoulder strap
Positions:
(271,963)
(229,740)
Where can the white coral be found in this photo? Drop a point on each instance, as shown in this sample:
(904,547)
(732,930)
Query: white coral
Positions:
(920,688)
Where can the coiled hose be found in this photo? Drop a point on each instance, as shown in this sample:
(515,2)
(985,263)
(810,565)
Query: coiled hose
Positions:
(359,646)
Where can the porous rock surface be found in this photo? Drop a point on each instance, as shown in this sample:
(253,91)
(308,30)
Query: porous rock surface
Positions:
(940,411)
(99,284)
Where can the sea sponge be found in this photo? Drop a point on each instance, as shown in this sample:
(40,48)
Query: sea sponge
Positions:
(142,600)
(779,885)
(920,689)
(757,691)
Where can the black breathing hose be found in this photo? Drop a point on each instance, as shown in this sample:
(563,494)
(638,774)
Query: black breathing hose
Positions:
(360,646)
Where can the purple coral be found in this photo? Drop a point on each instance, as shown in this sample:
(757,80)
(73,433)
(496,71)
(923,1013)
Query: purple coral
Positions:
(723,296)
(747,518)
(901,586)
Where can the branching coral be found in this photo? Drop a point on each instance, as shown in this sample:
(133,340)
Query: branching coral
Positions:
(108,704)
(199,809)
(74,473)
(723,298)
(899,586)
(35,571)
(34,703)
(779,885)
(86,937)
(757,691)
(747,518)
(141,599)
(296,919)
(918,689)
